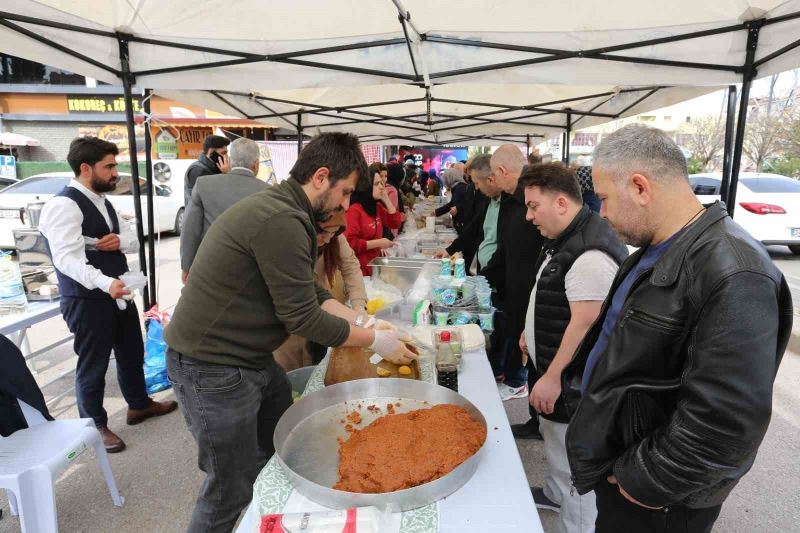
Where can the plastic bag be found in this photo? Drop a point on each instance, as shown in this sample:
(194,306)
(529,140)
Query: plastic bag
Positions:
(155,362)
(134,281)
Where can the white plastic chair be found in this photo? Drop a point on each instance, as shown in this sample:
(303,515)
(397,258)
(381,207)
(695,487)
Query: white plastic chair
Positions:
(31,459)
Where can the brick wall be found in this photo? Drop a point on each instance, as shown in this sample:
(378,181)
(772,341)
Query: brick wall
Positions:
(54,136)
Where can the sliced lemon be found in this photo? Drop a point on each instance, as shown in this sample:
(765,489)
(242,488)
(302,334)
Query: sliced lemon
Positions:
(382,372)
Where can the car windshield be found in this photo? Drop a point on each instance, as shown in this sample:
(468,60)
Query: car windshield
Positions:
(38,185)
(776,184)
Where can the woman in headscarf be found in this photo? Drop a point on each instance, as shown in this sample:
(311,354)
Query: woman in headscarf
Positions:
(370,210)
(338,271)
(454,180)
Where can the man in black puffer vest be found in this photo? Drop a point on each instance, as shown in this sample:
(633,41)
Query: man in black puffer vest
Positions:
(580,257)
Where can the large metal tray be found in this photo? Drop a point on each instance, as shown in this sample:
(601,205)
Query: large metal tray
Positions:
(307,449)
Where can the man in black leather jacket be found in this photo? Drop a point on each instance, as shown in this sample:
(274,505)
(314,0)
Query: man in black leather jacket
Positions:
(677,373)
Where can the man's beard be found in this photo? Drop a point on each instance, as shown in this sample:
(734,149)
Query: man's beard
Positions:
(100,186)
(634,228)
(321,211)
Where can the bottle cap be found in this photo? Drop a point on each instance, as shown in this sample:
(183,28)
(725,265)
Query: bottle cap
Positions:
(445,336)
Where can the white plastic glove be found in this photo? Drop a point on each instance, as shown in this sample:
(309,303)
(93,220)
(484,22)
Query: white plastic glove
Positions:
(383,325)
(388,346)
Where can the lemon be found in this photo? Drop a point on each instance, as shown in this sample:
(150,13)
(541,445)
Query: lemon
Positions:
(375,305)
(382,372)
(404,370)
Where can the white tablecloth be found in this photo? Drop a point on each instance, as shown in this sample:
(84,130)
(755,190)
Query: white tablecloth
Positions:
(497,498)
(37,312)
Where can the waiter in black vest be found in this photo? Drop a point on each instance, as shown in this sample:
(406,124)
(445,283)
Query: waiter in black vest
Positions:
(88,243)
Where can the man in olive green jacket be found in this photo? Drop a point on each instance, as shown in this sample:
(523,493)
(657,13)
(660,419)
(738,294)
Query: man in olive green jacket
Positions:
(251,285)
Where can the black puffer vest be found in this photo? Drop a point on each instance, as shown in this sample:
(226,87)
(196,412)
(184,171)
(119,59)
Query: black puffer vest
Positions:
(552,315)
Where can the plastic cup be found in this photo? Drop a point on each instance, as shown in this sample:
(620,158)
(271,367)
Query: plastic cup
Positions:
(487,320)
(463,318)
(460,268)
(468,291)
(444,267)
(449,296)
(430,224)
(484,298)
(441,317)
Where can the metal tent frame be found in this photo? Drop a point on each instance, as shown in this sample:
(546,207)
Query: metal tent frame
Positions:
(429,122)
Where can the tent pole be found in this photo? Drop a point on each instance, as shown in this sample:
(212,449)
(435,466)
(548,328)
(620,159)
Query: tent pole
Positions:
(730,123)
(299,132)
(528,144)
(741,123)
(567,134)
(148,157)
(124,57)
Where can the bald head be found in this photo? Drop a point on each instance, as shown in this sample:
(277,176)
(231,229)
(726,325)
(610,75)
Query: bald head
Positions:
(507,164)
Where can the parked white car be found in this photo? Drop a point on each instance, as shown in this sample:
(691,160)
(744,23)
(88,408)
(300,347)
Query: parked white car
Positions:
(767,205)
(167,201)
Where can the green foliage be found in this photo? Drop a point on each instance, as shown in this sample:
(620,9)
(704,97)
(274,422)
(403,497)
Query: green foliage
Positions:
(26,169)
(787,165)
(694,166)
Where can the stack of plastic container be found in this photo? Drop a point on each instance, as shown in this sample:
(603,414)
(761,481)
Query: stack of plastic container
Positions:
(12,292)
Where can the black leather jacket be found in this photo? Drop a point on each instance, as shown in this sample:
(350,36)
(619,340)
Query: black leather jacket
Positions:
(681,399)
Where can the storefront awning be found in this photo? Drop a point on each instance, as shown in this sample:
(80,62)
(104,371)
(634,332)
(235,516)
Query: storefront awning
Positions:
(16,139)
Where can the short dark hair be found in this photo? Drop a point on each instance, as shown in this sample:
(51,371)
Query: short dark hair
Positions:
(376,166)
(89,150)
(554,178)
(215,141)
(339,152)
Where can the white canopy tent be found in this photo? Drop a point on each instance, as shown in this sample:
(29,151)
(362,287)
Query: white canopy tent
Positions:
(415,70)
(459,113)
(279,45)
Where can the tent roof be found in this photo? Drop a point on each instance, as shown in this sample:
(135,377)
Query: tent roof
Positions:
(495,114)
(341,53)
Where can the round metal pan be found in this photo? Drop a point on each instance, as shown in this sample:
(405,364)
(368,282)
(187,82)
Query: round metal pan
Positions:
(307,448)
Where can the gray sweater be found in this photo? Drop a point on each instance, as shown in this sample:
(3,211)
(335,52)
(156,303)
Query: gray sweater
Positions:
(252,283)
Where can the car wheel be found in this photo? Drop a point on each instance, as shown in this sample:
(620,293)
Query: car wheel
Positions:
(795,248)
(179,222)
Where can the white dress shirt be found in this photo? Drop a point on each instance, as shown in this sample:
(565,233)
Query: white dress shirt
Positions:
(61,223)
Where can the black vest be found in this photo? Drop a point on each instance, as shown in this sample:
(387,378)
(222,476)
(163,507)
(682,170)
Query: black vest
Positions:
(112,264)
(552,314)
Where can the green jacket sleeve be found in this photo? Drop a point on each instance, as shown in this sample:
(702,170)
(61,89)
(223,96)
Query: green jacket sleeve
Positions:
(283,252)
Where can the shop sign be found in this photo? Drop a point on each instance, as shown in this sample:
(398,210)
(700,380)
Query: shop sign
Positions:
(8,166)
(100,104)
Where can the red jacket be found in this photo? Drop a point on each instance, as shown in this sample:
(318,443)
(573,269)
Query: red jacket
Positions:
(362,227)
